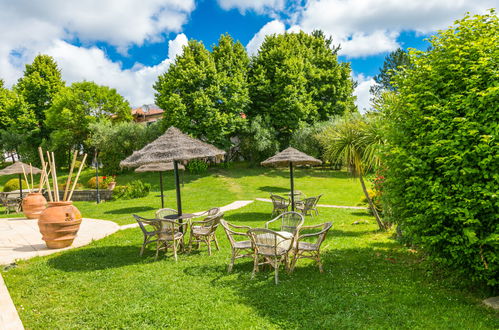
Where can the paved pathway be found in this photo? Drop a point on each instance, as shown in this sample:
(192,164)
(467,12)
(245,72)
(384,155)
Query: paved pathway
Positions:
(232,206)
(21,239)
(322,205)
(9,319)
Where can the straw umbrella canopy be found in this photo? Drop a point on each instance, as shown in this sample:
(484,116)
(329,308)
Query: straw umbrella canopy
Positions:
(290,157)
(173,146)
(160,167)
(17,168)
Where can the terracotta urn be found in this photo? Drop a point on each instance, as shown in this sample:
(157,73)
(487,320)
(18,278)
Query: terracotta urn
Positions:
(33,205)
(59,223)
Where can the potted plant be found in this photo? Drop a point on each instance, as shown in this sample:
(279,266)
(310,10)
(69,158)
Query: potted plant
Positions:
(110,181)
(60,221)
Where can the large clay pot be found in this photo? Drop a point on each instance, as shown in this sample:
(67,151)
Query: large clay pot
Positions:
(33,205)
(59,223)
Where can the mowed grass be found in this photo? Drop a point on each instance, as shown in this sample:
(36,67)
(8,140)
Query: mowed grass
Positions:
(369,282)
(217,187)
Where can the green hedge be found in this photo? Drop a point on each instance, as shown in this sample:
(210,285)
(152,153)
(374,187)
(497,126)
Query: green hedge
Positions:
(442,179)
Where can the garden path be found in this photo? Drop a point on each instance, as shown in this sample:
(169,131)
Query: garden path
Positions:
(323,205)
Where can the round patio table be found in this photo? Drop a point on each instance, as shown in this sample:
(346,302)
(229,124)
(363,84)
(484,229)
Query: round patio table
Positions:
(179,217)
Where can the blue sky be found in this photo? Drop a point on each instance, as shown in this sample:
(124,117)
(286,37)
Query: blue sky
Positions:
(126,44)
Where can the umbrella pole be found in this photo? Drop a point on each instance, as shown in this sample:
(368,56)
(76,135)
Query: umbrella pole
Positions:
(20,186)
(161,185)
(177,186)
(292,186)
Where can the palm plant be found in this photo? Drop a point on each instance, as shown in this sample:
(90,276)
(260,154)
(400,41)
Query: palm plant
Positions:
(355,141)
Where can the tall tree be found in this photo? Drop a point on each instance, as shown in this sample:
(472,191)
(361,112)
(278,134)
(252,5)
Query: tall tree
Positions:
(76,107)
(39,85)
(296,78)
(199,100)
(17,122)
(394,63)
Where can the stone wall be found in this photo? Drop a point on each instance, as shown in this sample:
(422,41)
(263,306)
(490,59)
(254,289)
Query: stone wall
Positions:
(86,195)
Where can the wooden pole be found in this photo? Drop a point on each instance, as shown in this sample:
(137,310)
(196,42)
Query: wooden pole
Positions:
(77,177)
(32,182)
(25,178)
(68,182)
(292,182)
(56,184)
(40,151)
(42,177)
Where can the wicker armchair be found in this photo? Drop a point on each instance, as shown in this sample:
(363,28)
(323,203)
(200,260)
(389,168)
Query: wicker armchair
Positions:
(162,213)
(209,213)
(308,205)
(310,250)
(150,236)
(280,204)
(205,231)
(240,248)
(170,235)
(288,222)
(10,204)
(270,248)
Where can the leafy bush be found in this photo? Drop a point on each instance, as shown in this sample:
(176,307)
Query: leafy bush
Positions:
(305,139)
(197,166)
(258,141)
(441,181)
(13,184)
(135,189)
(91,183)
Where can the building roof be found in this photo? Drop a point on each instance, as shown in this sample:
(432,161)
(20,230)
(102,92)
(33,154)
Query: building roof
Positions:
(147,110)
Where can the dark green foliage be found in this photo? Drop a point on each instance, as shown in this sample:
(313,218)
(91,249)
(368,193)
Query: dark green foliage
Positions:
(205,94)
(394,63)
(134,189)
(118,141)
(258,141)
(294,79)
(197,166)
(13,184)
(442,179)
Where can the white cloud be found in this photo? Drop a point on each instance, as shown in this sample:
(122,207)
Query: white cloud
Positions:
(367,27)
(259,6)
(273,27)
(92,64)
(34,27)
(362,92)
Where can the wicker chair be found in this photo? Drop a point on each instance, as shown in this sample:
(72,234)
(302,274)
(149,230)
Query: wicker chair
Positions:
(210,212)
(171,235)
(310,250)
(150,236)
(162,213)
(308,205)
(241,248)
(205,231)
(280,204)
(288,222)
(270,248)
(10,204)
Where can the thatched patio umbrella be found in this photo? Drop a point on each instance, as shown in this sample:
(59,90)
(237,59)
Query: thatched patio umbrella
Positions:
(161,167)
(17,168)
(290,157)
(173,146)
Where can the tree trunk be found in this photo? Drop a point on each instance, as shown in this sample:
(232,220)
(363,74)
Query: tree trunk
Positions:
(371,204)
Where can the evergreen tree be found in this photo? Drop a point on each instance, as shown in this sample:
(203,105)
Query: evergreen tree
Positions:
(394,62)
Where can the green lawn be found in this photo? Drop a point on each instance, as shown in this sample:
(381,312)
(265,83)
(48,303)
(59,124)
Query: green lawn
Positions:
(370,281)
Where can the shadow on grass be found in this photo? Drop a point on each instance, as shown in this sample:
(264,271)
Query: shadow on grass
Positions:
(98,258)
(130,210)
(272,189)
(249,217)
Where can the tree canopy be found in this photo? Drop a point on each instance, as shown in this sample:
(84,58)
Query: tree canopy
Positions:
(296,78)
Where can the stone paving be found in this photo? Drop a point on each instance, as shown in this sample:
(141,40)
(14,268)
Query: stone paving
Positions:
(21,239)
